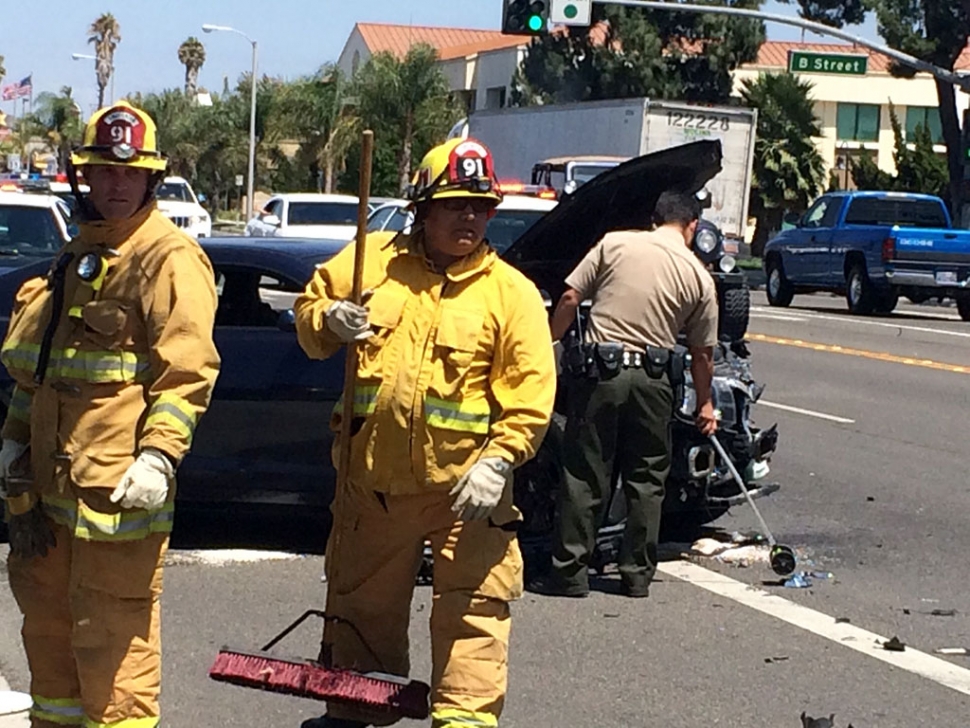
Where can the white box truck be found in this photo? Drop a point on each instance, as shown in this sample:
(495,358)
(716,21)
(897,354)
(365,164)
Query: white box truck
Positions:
(566,145)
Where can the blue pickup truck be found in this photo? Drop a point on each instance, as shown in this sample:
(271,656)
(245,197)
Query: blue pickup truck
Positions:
(874,247)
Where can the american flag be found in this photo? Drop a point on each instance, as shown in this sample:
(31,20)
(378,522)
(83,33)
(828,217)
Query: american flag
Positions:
(17,90)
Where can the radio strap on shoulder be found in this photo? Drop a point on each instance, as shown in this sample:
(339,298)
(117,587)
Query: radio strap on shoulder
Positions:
(56,283)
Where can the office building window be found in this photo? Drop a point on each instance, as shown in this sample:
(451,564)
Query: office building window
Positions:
(857,122)
(926,116)
(495,97)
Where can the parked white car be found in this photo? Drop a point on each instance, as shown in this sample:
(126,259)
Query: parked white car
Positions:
(515,215)
(178,202)
(306,215)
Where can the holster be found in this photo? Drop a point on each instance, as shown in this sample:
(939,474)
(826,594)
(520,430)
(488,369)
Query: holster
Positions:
(676,368)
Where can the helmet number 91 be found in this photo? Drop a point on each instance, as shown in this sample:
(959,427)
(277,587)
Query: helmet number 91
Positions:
(471,167)
(121,134)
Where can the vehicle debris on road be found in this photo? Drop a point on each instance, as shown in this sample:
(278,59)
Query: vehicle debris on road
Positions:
(894,645)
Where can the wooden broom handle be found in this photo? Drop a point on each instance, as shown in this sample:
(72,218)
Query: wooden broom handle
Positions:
(350,366)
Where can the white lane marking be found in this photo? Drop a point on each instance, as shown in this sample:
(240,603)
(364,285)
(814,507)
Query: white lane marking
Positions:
(868,643)
(224,557)
(880,324)
(775,316)
(807,412)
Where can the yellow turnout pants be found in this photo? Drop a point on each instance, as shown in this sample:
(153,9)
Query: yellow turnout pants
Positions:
(373,558)
(91,630)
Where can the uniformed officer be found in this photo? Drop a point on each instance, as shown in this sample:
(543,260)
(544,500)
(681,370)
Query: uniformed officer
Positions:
(646,287)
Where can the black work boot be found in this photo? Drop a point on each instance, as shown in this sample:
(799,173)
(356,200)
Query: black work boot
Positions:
(327,722)
(550,586)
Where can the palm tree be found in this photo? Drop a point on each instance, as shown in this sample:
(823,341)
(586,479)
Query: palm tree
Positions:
(3,70)
(407,98)
(788,169)
(192,56)
(60,117)
(105,34)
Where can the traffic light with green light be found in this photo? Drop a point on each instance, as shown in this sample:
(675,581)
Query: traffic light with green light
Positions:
(525,17)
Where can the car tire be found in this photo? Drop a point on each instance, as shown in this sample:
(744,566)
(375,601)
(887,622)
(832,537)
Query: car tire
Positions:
(860,297)
(963,306)
(735,311)
(779,289)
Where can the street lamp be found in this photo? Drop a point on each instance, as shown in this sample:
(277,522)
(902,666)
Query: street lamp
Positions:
(209,28)
(88,57)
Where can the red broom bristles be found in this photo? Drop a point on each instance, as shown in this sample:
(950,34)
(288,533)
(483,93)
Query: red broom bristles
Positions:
(308,679)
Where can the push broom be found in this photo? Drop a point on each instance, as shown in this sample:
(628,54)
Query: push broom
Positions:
(376,692)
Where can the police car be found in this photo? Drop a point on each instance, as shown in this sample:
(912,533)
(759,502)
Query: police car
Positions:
(31,226)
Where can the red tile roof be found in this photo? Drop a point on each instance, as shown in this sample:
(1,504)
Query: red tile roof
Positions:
(774,54)
(450,42)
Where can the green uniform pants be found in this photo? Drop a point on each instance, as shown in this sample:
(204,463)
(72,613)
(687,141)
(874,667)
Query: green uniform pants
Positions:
(618,425)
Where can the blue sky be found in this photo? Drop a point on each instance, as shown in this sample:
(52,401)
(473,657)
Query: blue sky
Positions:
(295,37)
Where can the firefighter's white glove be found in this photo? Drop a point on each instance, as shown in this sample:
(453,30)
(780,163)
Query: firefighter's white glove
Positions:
(146,482)
(10,452)
(481,488)
(348,321)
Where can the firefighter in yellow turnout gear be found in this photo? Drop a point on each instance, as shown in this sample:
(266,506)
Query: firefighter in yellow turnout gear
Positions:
(114,361)
(455,387)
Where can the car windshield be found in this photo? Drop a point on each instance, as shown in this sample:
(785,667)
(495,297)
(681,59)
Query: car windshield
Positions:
(583,173)
(175,191)
(399,220)
(896,211)
(508,225)
(28,231)
(323,213)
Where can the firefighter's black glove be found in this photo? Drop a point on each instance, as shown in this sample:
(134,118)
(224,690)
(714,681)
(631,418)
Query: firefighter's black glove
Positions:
(30,534)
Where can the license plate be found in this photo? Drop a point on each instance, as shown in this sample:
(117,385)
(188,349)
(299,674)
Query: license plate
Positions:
(946,277)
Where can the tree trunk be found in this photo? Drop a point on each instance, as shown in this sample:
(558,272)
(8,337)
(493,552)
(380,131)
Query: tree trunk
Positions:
(328,175)
(100,95)
(404,167)
(191,81)
(954,144)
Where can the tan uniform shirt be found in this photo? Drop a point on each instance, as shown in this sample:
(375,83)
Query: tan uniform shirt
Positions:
(646,287)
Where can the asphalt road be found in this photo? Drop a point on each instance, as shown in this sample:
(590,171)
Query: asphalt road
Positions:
(875,490)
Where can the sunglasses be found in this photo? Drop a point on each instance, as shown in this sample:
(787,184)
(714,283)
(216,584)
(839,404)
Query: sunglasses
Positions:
(479,205)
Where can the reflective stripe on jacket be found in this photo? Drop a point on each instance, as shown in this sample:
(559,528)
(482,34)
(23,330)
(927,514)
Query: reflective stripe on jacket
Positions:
(460,365)
(132,362)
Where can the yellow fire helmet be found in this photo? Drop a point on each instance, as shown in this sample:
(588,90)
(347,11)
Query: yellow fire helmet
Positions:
(120,135)
(457,168)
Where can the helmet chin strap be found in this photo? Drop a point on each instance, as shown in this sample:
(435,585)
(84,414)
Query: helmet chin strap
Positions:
(85,210)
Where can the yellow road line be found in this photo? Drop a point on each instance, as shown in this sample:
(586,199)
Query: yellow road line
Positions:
(877,355)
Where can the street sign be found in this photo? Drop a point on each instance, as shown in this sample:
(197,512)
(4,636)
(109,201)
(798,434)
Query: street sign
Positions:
(571,12)
(844,64)
(239,180)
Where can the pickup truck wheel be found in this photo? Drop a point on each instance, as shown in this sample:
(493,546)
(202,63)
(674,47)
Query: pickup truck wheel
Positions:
(859,295)
(963,306)
(887,302)
(780,290)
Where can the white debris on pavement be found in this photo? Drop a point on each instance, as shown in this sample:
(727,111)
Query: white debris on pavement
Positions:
(731,553)
(226,557)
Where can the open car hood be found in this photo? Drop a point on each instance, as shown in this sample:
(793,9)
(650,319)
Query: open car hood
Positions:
(622,198)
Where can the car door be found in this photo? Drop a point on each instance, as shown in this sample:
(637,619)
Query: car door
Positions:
(830,256)
(265,439)
(809,244)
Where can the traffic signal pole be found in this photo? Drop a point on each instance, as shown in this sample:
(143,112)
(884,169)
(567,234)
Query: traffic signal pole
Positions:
(962,81)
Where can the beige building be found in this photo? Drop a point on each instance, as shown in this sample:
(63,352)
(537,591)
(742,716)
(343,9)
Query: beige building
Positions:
(853,108)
